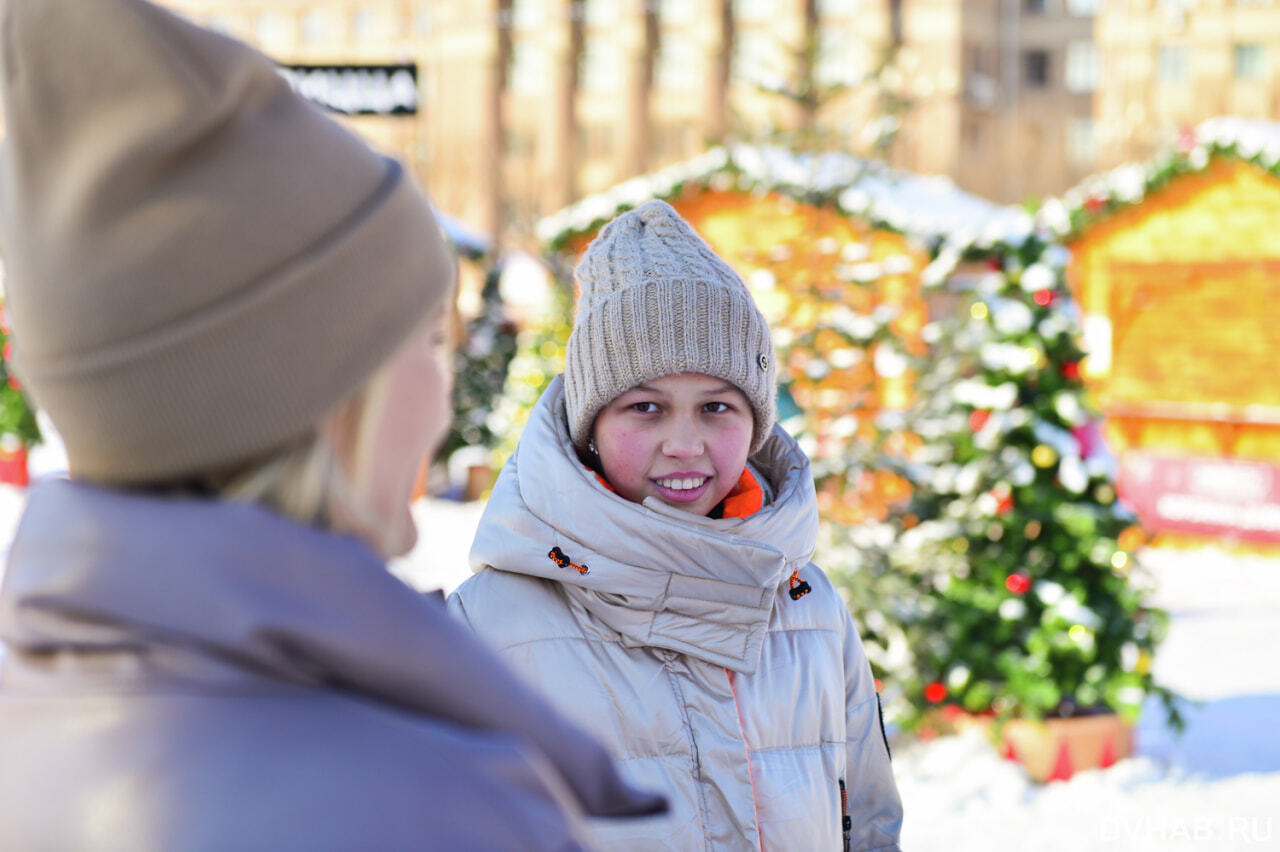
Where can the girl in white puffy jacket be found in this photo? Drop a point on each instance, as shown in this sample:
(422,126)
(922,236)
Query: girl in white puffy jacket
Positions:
(645,560)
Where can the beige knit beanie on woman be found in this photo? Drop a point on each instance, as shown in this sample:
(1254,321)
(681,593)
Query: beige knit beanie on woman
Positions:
(653,300)
(199,264)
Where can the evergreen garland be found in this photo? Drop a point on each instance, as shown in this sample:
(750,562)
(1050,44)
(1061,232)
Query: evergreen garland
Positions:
(17,418)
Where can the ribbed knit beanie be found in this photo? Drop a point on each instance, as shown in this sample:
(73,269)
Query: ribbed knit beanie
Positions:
(199,264)
(653,300)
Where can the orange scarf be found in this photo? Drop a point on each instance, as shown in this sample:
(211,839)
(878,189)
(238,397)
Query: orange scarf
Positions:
(746,498)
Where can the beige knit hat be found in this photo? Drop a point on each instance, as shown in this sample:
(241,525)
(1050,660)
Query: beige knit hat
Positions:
(653,300)
(199,263)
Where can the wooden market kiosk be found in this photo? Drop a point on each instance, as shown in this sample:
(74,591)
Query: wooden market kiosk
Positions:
(1176,264)
(834,250)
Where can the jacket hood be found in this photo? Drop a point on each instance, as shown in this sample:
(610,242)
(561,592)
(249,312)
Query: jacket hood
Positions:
(94,568)
(659,576)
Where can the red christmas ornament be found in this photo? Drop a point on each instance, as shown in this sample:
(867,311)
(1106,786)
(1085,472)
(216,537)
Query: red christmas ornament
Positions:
(1186,138)
(1095,203)
(978,419)
(1009,753)
(995,264)
(7,352)
(1004,501)
(1043,298)
(1070,370)
(879,684)
(935,692)
(1019,584)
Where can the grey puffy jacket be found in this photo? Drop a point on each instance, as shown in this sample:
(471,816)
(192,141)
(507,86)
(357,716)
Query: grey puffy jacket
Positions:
(675,639)
(190,675)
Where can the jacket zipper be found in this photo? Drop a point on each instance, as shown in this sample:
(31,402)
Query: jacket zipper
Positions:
(846,823)
(755,806)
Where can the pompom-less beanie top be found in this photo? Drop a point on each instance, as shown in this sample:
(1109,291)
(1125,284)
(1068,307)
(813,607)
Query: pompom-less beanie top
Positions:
(654,300)
(199,264)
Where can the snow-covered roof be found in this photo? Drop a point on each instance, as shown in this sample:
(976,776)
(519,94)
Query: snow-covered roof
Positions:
(1249,139)
(1250,136)
(465,240)
(929,207)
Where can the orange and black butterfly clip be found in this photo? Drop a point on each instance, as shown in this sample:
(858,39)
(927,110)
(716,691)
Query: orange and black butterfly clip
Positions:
(799,588)
(557,556)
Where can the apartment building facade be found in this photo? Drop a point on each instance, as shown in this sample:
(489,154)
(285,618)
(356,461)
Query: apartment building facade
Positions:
(526,105)
(1170,64)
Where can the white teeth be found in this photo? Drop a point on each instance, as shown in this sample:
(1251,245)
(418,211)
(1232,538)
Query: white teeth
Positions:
(688,483)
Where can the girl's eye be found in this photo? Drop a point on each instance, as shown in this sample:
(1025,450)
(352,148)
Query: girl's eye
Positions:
(644,407)
(717,407)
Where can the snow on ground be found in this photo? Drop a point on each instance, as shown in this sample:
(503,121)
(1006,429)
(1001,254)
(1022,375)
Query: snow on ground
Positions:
(1215,789)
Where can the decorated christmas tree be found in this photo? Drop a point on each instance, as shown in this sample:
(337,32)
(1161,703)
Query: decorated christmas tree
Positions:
(1008,578)
(480,370)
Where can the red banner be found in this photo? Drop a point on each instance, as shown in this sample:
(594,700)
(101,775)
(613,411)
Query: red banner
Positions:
(1220,497)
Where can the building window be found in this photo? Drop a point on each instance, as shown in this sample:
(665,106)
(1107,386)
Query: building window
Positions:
(675,11)
(598,66)
(1250,62)
(599,13)
(1082,66)
(1082,8)
(837,8)
(675,63)
(526,69)
(366,25)
(422,20)
(839,60)
(1172,63)
(756,58)
(526,14)
(758,11)
(1082,142)
(270,27)
(1034,7)
(1035,65)
(317,26)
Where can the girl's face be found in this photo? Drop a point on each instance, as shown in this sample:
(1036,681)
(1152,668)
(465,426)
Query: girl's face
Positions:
(682,438)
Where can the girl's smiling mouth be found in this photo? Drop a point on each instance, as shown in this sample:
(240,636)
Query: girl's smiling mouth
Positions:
(682,487)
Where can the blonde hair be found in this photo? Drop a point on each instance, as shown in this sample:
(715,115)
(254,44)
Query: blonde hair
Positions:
(311,476)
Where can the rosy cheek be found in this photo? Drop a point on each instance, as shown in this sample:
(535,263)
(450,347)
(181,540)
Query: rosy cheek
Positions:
(624,456)
(627,451)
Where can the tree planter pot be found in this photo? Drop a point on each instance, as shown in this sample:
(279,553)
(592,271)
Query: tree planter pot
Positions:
(1049,750)
(1056,749)
(13,465)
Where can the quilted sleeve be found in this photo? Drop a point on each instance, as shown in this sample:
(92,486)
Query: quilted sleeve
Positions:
(874,807)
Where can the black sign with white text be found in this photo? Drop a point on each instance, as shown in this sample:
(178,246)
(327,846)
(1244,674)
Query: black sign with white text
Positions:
(357,89)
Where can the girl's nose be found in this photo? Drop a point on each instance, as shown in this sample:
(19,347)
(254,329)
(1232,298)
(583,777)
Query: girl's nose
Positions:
(683,444)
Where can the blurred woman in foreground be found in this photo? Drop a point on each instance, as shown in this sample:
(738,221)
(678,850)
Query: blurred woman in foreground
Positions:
(235,314)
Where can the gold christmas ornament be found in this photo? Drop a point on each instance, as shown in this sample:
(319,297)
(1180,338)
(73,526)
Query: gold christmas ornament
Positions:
(1043,456)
